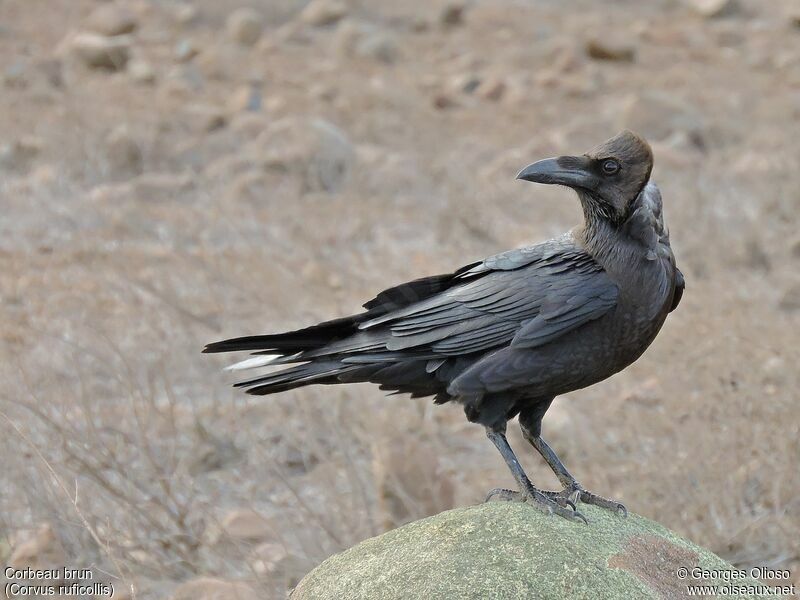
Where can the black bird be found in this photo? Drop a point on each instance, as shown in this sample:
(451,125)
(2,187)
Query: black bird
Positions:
(506,335)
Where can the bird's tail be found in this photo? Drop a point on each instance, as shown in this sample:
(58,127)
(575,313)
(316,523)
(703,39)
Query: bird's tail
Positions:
(305,346)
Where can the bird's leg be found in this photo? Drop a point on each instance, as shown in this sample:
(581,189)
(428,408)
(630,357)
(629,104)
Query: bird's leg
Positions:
(573,491)
(527,492)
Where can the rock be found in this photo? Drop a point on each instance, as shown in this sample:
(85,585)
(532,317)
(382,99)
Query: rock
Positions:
(247,97)
(244,26)
(657,116)
(141,71)
(211,588)
(15,75)
(320,13)
(42,550)
(443,101)
(20,154)
(379,46)
(601,49)
(491,88)
(790,302)
(713,8)
(245,525)
(267,557)
(186,14)
(204,119)
(316,150)
(185,50)
(111,19)
(101,52)
(510,550)
(452,14)
(123,153)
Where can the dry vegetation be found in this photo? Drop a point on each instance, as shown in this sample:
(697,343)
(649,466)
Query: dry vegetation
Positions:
(207,176)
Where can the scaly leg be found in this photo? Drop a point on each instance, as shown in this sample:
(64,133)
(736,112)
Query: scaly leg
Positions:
(527,492)
(573,491)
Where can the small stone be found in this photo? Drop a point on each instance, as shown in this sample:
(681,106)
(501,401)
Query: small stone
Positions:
(378,46)
(111,19)
(15,76)
(320,13)
(20,154)
(212,588)
(442,101)
(141,71)
(186,14)
(123,154)
(185,50)
(491,88)
(611,51)
(795,249)
(247,97)
(317,151)
(244,26)
(714,8)
(245,525)
(791,299)
(101,52)
(205,119)
(266,558)
(452,14)
(774,371)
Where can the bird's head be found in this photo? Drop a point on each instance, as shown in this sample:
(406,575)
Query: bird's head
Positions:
(608,178)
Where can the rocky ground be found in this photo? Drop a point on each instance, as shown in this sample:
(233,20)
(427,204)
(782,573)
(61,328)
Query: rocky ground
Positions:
(174,173)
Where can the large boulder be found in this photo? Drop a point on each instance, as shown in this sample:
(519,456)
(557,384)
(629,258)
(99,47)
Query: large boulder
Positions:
(509,551)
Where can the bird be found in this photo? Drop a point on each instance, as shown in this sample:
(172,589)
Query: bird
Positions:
(506,335)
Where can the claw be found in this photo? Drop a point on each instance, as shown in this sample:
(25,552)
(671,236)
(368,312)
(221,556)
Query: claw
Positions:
(503,494)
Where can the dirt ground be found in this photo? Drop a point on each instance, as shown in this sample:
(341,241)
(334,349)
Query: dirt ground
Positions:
(192,171)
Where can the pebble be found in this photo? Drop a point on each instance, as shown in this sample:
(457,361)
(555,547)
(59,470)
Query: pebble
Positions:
(101,52)
(123,153)
(378,46)
(320,13)
(491,88)
(245,525)
(610,50)
(141,71)
(314,149)
(713,8)
(244,26)
(266,558)
(111,20)
(452,14)
(185,50)
(790,302)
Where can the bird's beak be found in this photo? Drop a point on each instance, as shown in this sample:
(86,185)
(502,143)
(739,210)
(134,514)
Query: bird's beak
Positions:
(571,171)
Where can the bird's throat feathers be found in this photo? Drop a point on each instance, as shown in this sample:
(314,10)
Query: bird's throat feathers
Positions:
(642,226)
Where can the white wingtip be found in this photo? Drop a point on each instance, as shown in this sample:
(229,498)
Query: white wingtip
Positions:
(253,363)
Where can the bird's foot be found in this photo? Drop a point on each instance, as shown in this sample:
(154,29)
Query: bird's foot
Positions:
(575,493)
(541,500)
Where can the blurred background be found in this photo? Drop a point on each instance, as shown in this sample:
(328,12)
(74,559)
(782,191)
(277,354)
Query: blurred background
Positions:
(173,173)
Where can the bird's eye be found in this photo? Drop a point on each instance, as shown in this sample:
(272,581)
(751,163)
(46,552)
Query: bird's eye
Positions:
(610,166)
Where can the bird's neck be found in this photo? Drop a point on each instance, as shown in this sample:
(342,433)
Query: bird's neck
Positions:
(642,234)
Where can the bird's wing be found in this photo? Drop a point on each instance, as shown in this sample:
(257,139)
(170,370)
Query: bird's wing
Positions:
(525,297)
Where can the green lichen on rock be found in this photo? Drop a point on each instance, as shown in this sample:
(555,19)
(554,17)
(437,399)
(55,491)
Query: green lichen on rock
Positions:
(510,550)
